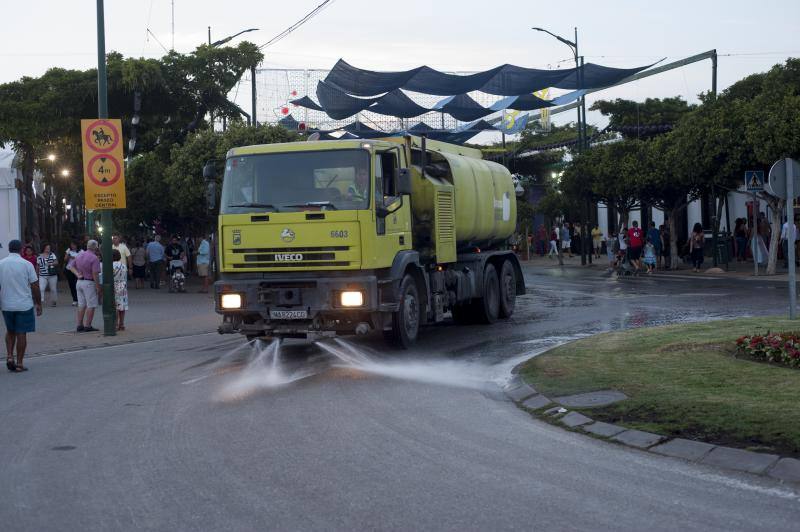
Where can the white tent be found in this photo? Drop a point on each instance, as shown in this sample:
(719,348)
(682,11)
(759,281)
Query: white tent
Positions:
(10,226)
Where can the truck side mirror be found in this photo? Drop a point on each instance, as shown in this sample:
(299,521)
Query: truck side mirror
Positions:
(211,195)
(209,170)
(402,181)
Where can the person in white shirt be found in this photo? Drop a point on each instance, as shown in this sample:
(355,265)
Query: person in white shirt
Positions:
(124,252)
(19,296)
(785,238)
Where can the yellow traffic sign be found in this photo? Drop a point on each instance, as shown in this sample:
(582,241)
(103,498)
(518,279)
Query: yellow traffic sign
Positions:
(103,169)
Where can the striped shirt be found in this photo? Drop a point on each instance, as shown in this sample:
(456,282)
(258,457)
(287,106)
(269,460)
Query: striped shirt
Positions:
(44,263)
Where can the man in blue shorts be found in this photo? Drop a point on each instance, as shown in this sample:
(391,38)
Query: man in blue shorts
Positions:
(19,296)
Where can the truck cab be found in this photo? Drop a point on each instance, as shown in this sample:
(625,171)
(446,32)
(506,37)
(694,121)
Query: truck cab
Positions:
(323,238)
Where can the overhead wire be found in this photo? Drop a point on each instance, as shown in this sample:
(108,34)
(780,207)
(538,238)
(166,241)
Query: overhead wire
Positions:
(311,14)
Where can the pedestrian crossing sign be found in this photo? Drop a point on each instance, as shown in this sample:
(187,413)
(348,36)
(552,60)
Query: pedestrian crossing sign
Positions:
(754,180)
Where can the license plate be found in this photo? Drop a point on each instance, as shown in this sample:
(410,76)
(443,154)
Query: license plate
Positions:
(288,314)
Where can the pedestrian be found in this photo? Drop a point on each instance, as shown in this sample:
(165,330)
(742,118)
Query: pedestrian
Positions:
(696,245)
(740,239)
(788,237)
(69,262)
(46,264)
(566,242)
(576,238)
(120,288)
(139,261)
(203,260)
(541,240)
(597,240)
(636,242)
(29,255)
(155,261)
(650,256)
(654,236)
(119,244)
(612,249)
(191,257)
(19,296)
(87,264)
(666,245)
(553,243)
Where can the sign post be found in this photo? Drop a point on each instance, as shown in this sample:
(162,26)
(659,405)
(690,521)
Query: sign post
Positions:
(791,238)
(103,179)
(754,182)
(784,181)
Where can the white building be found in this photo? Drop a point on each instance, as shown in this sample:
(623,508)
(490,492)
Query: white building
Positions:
(10,213)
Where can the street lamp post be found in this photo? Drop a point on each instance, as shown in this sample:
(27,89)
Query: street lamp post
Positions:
(582,138)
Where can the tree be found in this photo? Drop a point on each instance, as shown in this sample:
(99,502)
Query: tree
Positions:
(772,131)
(627,116)
(667,185)
(169,98)
(608,173)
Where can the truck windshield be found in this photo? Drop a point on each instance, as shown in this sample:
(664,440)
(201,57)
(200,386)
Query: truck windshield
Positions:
(296,181)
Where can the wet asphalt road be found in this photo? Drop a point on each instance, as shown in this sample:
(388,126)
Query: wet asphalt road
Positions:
(178,435)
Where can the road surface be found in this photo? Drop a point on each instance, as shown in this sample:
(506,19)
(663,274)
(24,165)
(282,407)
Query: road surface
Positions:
(182,434)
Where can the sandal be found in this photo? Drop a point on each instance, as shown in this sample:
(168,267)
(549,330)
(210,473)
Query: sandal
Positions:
(20,369)
(11,365)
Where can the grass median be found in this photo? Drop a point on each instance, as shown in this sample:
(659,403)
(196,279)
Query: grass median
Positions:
(683,381)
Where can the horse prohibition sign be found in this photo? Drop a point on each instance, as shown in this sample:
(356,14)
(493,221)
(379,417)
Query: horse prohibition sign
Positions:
(103,172)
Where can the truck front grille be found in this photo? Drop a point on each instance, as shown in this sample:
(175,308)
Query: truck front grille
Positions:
(289,257)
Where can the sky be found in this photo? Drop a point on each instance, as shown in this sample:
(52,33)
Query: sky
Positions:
(449,35)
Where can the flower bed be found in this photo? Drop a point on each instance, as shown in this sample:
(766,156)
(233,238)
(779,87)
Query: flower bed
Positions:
(780,348)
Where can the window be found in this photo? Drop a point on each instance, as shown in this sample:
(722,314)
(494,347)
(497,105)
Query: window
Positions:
(301,180)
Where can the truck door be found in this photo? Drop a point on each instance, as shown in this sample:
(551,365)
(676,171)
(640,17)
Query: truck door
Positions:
(394,229)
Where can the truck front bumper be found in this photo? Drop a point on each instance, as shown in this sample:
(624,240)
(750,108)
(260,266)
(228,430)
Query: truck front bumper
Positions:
(299,307)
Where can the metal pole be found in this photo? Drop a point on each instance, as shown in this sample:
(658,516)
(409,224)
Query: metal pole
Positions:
(109,315)
(791,237)
(253,93)
(173,25)
(714,72)
(754,229)
(503,134)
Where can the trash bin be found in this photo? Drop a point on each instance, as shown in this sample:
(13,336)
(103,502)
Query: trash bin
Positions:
(723,251)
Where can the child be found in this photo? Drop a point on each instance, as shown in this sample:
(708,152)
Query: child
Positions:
(650,256)
(120,288)
(612,249)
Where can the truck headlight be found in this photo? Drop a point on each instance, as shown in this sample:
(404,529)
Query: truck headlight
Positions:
(352,299)
(231,301)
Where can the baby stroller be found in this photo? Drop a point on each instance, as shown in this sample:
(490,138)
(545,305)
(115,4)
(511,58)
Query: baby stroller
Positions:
(177,279)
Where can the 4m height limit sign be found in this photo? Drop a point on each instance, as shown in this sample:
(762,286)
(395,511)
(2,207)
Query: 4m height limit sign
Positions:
(103,168)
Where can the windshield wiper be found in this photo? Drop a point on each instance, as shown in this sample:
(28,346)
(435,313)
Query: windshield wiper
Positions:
(256,206)
(313,204)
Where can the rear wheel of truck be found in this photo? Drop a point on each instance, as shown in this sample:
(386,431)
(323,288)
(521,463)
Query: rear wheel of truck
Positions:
(508,289)
(488,307)
(405,321)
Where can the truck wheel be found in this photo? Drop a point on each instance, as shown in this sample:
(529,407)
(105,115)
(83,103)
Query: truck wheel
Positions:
(508,289)
(405,322)
(488,307)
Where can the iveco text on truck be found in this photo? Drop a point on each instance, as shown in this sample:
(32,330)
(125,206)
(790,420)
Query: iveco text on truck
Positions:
(325,238)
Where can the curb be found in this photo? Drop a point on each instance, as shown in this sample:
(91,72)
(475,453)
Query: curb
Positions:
(771,465)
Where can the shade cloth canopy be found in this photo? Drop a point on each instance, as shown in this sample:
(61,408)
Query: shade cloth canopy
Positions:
(504,80)
(340,105)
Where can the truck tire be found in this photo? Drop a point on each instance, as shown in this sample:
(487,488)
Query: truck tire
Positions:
(405,321)
(487,308)
(508,289)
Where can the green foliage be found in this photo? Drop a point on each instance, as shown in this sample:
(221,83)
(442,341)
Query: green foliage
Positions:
(653,111)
